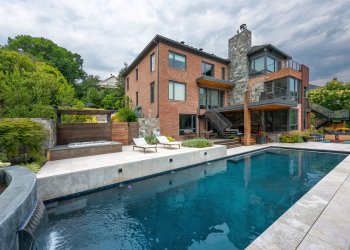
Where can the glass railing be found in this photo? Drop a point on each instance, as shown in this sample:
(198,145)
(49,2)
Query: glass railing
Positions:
(330,114)
(293,64)
(272,93)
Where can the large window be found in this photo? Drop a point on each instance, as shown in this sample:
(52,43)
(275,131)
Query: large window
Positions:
(207,69)
(152,92)
(257,67)
(177,60)
(281,120)
(177,91)
(223,73)
(211,98)
(286,88)
(187,123)
(153,62)
(263,64)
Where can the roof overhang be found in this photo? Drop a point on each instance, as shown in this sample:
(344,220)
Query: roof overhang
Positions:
(265,105)
(84,112)
(268,47)
(211,81)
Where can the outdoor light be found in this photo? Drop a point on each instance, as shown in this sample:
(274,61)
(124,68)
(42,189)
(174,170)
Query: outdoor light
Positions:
(205,153)
(120,170)
(171,160)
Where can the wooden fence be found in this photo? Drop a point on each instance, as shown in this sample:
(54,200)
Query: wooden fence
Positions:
(124,132)
(82,132)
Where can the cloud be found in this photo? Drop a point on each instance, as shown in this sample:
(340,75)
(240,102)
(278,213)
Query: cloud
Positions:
(108,33)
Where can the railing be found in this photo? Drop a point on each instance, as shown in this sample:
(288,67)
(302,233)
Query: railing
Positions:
(220,121)
(293,64)
(330,114)
(273,93)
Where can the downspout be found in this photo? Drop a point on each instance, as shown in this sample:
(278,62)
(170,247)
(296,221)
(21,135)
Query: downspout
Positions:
(157,78)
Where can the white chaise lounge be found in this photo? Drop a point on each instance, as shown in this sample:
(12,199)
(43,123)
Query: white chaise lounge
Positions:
(141,143)
(164,141)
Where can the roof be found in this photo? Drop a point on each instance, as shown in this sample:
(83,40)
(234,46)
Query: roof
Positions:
(268,47)
(84,111)
(175,44)
(112,76)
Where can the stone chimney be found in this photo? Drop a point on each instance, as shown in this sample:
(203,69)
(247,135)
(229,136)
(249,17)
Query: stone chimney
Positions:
(238,71)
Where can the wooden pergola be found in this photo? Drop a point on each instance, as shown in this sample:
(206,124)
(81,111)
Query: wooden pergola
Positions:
(84,112)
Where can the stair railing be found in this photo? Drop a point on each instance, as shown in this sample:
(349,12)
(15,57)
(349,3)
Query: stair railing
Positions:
(220,121)
(330,114)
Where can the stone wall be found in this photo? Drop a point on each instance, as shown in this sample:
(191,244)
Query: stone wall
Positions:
(148,127)
(256,89)
(51,128)
(238,72)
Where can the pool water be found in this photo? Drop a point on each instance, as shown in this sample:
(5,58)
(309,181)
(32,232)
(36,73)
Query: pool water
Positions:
(223,205)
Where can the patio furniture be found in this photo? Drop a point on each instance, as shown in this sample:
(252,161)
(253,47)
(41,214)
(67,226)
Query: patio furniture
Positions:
(234,131)
(328,131)
(202,134)
(193,135)
(316,136)
(208,134)
(141,143)
(164,141)
(263,96)
(214,134)
(329,137)
(344,137)
(347,132)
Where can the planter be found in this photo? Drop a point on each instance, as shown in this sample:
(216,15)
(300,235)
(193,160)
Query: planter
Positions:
(260,139)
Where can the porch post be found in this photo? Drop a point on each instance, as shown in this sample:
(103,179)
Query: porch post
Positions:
(247,120)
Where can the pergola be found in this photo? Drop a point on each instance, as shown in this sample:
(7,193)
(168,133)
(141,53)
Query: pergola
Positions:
(84,112)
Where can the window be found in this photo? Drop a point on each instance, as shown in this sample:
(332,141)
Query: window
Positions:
(137,74)
(137,98)
(187,123)
(127,83)
(293,119)
(152,62)
(152,92)
(207,69)
(281,120)
(270,65)
(177,91)
(177,61)
(223,73)
(257,67)
(263,64)
(286,88)
(111,83)
(211,98)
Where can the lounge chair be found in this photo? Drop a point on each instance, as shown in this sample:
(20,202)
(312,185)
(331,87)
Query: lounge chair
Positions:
(141,143)
(164,141)
(316,136)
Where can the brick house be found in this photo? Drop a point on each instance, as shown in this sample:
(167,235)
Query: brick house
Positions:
(192,90)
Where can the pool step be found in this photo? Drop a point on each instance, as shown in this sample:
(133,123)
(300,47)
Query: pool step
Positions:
(229,143)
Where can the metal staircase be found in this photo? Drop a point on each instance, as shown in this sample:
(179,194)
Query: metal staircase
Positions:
(329,115)
(219,122)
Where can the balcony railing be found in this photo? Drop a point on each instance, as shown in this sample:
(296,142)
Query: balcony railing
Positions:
(273,93)
(282,65)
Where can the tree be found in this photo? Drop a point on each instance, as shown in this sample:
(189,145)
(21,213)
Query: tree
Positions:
(68,63)
(334,95)
(28,88)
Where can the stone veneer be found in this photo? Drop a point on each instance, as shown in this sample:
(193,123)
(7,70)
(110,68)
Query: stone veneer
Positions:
(51,128)
(148,127)
(238,71)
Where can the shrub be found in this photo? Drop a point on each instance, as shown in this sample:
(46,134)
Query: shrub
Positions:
(170,139)
(289,138)
(197,143)
(151,140)
(35,167)
(126,114)
(21,137)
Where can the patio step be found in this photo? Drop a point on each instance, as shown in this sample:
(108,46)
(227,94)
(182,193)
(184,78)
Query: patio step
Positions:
(229,143)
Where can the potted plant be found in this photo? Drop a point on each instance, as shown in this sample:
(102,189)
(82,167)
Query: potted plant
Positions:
(261,138)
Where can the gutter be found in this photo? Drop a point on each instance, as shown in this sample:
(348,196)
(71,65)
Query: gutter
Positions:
(154,40)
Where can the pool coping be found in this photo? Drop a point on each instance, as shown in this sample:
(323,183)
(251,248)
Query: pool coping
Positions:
(319,219)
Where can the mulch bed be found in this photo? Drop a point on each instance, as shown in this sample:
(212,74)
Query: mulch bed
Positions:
(2,187)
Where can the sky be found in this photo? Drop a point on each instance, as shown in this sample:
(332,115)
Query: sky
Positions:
(108,33)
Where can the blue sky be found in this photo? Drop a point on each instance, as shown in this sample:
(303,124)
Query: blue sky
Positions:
(108,33)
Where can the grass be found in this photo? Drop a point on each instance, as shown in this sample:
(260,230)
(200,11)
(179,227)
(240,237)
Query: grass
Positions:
(197,143)
(35,167)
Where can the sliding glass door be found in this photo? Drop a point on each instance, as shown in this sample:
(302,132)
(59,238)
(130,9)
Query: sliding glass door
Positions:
(211,98)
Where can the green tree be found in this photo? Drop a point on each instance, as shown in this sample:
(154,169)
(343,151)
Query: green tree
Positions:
(28,88)
(68,63)
(335,95)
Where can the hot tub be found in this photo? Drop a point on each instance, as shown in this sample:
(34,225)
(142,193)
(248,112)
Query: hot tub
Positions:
(80,149)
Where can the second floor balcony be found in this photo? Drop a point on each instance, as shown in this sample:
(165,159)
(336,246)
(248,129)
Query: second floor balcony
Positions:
(266,65)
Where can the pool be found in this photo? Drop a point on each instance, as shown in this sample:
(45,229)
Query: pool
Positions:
(225,204)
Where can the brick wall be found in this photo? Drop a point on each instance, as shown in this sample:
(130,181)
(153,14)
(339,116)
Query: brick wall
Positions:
(143,85)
